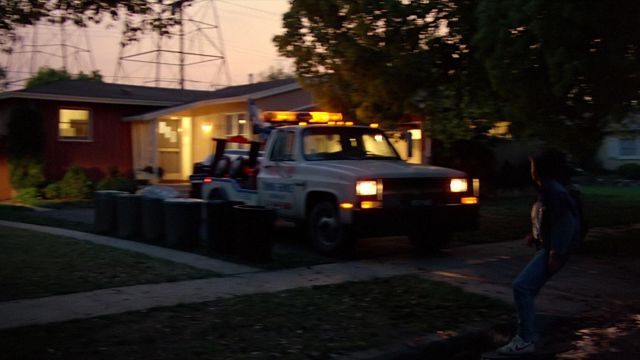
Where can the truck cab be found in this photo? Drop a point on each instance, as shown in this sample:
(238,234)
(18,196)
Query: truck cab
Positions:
(343,182)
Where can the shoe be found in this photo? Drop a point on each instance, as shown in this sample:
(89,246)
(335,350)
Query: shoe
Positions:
(517,346)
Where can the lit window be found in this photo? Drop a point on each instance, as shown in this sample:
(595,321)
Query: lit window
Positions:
(74,124)
(628,147)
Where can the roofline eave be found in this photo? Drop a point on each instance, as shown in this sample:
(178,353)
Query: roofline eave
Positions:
(54,97)
(242,98)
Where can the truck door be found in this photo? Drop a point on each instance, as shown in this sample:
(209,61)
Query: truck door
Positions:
(277,186)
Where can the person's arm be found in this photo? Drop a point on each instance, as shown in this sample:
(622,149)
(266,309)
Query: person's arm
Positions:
(559,227)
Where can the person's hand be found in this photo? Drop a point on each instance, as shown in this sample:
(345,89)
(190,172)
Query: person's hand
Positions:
(554,263)
(529,240)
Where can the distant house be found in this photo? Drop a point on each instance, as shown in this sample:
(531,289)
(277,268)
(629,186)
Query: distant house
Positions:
(621,143)
(101,125)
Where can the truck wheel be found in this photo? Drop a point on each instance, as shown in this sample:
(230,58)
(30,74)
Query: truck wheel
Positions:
(429,241)
(328,235)
(217,194)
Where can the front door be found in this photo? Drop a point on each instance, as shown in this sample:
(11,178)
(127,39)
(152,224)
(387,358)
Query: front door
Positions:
(169,145)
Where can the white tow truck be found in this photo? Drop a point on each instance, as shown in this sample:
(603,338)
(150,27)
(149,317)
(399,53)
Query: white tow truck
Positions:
(342,182)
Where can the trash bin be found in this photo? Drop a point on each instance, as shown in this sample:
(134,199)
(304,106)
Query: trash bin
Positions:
(152,205)
(128,209)
(254,231)
(182,222)
(105,221)
(220,230)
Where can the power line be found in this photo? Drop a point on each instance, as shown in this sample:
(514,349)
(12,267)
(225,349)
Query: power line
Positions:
(251,8)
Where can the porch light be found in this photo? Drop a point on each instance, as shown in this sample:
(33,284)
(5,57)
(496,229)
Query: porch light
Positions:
(207,127)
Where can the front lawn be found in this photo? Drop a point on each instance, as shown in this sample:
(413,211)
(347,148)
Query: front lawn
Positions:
(34,264)
(294,324)
(504,218)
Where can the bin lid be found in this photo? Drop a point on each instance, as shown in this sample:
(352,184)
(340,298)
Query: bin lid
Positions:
(184,200)
(108,192)
(158,192)
(126,194)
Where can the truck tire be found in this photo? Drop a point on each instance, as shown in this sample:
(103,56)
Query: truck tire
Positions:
(217,194)
(429,241)
(328,235)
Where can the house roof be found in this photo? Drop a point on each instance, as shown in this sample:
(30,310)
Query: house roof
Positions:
(227,95)
(101,92)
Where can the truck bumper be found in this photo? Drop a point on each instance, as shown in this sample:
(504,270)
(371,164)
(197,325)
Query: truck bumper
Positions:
(387,222)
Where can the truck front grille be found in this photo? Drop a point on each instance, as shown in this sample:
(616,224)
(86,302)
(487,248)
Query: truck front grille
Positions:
(415,192)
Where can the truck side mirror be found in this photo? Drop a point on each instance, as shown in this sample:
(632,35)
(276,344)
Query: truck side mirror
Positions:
(407,137)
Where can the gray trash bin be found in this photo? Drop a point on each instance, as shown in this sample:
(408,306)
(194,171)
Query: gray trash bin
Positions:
(182,222)
(152,204)
(220,230)
(105,221)
(128,215)
(254,231)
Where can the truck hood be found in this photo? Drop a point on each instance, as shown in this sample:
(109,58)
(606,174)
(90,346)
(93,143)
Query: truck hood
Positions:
(380,169)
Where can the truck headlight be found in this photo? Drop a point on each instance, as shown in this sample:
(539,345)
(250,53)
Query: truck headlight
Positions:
(458,185)
(366,187)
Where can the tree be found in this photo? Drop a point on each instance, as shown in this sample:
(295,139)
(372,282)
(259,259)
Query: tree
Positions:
(25,141)
(564,68)
(47,75)
(139,15)
(380,60)
(275,74)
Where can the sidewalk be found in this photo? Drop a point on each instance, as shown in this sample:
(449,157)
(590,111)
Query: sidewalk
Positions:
(585,286)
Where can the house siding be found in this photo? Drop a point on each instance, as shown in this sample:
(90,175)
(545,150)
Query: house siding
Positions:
(110,143)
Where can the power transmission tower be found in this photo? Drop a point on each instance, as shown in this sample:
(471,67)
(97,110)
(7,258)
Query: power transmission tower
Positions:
(56,44)
(195,46)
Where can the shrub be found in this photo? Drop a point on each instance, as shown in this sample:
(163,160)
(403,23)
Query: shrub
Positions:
(630,171)
(114,181)
(25,173)
(31,195)
(75,184)
(53,191)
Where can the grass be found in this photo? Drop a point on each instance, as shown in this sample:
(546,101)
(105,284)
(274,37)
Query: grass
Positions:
(505,218)
(621,243)
(36,265)
(28,215)
(294,324)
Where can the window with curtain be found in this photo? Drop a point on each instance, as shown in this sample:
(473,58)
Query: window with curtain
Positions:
(74,124)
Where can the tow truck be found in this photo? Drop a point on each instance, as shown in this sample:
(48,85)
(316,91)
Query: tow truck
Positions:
(341,182)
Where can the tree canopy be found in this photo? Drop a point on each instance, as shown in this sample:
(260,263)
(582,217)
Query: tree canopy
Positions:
(556,69)
(381,60)
(139,15)
(564,68)
(47,75)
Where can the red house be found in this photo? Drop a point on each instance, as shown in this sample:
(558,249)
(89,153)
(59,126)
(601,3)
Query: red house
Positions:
(88,123)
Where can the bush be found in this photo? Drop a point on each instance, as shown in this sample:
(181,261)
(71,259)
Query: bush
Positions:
(53,191)
(25,173)
(29,196)
(630,171)
(114,181)
(75,184)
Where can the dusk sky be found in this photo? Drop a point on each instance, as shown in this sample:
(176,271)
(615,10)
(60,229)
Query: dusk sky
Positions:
(246,26)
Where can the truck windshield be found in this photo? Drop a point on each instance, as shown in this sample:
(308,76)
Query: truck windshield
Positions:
(346,143)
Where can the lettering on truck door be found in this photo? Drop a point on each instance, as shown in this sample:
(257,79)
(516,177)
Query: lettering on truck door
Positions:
(277,179)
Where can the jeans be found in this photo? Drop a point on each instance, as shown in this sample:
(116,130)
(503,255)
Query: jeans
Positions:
(525,288)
